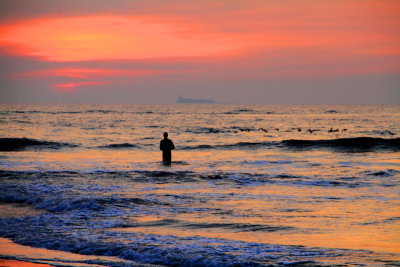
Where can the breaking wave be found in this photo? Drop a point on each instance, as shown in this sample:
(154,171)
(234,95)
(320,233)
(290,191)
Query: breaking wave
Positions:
(357,144)
(154,249)
(92,224)
(348,144)
(18,144)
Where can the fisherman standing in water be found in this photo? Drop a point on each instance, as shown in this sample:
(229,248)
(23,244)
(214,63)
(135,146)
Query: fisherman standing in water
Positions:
(166,145)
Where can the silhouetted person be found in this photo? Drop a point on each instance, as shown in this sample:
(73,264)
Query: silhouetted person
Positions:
(166,145)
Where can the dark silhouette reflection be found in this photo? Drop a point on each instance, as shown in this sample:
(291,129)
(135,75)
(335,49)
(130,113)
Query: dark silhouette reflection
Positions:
(166,145)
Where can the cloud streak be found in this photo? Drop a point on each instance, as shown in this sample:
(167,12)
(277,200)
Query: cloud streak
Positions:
(71,87)
(113,37)
(85,73)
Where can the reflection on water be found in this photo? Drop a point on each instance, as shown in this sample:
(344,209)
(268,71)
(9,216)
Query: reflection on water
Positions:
(89,180)
(284,214)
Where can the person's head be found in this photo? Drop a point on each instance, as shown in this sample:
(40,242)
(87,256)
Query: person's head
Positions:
(165,135)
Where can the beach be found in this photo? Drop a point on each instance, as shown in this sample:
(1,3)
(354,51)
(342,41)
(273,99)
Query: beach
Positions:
(249,185)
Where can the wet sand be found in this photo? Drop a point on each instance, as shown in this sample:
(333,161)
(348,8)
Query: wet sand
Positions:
(46,257)
(15,263)
(14,210)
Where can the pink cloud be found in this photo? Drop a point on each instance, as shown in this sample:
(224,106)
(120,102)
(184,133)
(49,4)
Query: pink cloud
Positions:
(86,73)
(100,37)
(71,87)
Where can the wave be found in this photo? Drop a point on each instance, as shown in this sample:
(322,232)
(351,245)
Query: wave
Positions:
(93,224)
(38,112)
(205,130)
(231,146)
(38,196)
(86,236)
(144,112)
(245,227)
(355,144)
(103,111)
(18,144)
(119,146)
(386,173)
(5,112)
(384,132)
(247,111)
(21,144)
(157,177)
(331,111)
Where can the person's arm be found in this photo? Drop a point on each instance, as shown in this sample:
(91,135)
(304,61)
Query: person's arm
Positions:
(172,145)
(161,145)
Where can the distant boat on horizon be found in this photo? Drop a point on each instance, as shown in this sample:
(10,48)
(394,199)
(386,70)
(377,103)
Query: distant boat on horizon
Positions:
(184,100)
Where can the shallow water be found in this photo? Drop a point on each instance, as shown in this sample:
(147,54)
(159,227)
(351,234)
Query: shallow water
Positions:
(239,190)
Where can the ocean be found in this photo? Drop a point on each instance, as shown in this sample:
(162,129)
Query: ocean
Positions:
(249,185)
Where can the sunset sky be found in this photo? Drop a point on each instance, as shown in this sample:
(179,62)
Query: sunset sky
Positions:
(237,51)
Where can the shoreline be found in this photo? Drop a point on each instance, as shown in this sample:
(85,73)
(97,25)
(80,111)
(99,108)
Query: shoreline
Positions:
(19,263)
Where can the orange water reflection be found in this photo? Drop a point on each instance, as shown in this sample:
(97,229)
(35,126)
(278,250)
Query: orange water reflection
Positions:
(320,216)
(310,221)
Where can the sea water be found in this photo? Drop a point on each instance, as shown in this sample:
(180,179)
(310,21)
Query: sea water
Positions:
(249,185)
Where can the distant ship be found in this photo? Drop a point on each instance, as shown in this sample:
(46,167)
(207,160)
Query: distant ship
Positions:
(184,100)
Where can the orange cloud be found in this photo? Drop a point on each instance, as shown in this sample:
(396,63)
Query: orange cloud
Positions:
(112,37)
(255,38)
